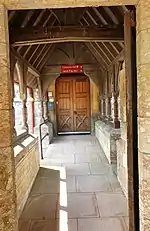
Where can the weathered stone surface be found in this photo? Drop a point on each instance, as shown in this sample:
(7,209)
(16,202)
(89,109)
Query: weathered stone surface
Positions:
(107,137)
(5,83)
(8,221)
(143,57)
(143,60)
(122,92)
(5,128)
(144,134)
(142,15)
(7,190)
(143,82)
(122,170)
(143,47)
(36,4)
(144,189)
(27,166)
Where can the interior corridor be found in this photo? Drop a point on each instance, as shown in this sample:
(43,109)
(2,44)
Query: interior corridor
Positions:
(75,190)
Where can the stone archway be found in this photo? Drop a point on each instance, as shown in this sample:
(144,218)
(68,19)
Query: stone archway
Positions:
(143,95)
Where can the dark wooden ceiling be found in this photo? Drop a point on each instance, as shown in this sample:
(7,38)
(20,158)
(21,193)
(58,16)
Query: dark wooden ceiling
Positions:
(37,21)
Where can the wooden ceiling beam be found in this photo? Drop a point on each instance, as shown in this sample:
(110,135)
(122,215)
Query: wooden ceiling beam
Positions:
(39,17)
(34,53)
(47,56)
(27,18)
(108,50)
(121,44)
(100,16)
(27,51)
(19,49)
(95,53)
(48,18)
(55,15)
(119,58)
(63,34)
(34,83)
(11,15)
(27,64)
(91,17)
(43,56)
(114,47)
(87,23)
(111,15)
(100,55)
(125,9)
(32,78)
(108,60)
(38,55)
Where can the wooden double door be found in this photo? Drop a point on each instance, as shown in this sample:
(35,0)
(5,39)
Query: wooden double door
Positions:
(73,104)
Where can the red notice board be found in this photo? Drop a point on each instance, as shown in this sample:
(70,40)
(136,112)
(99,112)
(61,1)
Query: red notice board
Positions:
(72,69)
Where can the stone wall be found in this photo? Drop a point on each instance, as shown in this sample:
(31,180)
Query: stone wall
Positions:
(27,166)
(143,87)
(107,137)
(122,170)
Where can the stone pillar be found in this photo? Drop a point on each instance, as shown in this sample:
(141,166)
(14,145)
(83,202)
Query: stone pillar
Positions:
(45,111)
(32,109)
(116,120)
(104,107)
(101,106)
(8,214)
(46,105)
(24,99)
(109,107)
(12,67)
(112,107)
(41,98)
(143,86)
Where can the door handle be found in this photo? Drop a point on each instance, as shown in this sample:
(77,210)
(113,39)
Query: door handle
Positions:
(75,112)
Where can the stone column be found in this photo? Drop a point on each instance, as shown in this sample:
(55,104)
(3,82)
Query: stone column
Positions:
(109,107)
(12,67)
(116,120)
(101,106)
(41,98)
(46,105)
(45,110)
(143,87)
(32,109)
(24,99)
(8,214)
(104,106)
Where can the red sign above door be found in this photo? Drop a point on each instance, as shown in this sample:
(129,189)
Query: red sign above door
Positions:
(72,69)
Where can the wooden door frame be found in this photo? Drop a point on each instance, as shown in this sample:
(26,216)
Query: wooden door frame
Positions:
(73,77)
(132,123)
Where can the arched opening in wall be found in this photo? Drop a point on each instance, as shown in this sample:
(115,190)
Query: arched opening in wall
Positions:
(73,104)
(17,102)
(18,109)
(94,37)
(30,110)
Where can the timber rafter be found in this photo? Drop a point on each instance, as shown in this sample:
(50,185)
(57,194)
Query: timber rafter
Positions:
(24,37)
(36,35)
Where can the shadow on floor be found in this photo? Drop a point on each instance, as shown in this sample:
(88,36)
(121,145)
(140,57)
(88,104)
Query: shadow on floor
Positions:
(46,207)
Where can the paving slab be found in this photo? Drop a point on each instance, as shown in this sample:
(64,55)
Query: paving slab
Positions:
(75,190)
(101,224)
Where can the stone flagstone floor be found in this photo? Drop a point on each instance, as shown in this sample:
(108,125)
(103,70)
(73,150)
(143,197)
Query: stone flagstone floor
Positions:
(75,190)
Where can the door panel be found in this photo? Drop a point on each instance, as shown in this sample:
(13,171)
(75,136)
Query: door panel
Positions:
(73,104)
(81,105)
(64,105)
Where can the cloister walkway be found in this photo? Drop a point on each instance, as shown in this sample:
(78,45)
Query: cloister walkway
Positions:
(75,190)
